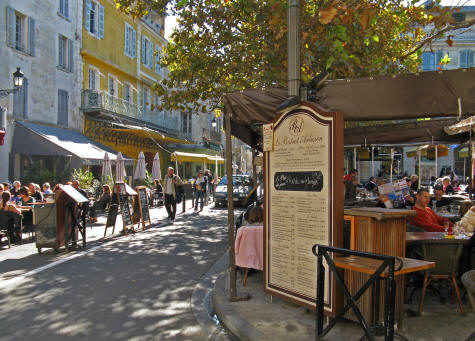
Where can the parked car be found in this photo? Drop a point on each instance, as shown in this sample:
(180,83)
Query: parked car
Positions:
(242,188)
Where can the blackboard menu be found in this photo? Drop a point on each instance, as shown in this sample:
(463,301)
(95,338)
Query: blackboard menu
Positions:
(125,209)
(112,215)
(143,204)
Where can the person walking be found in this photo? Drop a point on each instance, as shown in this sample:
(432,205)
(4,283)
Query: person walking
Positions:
(169,184)
(200,189)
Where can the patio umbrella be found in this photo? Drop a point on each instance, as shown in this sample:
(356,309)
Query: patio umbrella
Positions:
(140,168)
(119,168)
(156,171)
(106,166)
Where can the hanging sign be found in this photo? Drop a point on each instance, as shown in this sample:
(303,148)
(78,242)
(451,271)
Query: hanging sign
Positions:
(304,202)
(268,137)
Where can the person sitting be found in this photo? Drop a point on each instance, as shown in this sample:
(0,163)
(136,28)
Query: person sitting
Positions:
(371,185)
(426,218)
(353,172)
(6,186)
(448,189)
(256,216)
(414,182)
(35,192)
(14,231)
(438,200)
(25,203)
(468,220)
(16,188)
(351,188)
(1,189)
(47,188)
(101,203)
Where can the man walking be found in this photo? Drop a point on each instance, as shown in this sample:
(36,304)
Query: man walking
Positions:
(169,186)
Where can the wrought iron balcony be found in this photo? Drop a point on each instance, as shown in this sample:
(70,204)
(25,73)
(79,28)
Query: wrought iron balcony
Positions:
(210,135)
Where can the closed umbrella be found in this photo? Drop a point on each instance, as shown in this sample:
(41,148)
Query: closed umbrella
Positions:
(106,166)
(156,171)
(119,168)
(140,168)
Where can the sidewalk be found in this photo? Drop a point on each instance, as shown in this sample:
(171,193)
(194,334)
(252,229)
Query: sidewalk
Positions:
(20,259)
(261,318)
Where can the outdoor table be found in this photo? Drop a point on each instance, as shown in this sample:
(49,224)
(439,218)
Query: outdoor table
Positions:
(412,237)
(249,248)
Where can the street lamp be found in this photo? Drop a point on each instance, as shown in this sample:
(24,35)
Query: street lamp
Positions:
(214,123)
(17,83)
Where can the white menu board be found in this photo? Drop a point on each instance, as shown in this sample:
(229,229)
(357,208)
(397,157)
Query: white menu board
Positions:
(299,192)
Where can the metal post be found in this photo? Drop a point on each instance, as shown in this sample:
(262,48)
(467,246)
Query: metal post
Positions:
(419,169)
(176,164)
(436,152)
(372,161)
(391,167)
(471,159)
(293,43)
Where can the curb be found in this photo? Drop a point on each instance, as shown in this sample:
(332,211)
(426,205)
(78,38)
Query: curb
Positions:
(229,318)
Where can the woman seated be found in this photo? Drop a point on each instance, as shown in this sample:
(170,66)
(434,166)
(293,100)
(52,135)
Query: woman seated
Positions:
(101,203)
(25,203)
(14,230)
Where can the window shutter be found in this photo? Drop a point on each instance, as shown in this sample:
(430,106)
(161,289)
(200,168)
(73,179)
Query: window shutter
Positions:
(144,55)
(87,15)
(10,27)
(70,55)
(150,59)
(127,46)
(31,36)
(60,50)
(66,8)
(463,59)
(101,21)
(470,59)
(439,56)
(134,43)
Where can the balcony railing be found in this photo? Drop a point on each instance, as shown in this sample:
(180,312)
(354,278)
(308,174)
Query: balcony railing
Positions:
(211,136)
(460,34)
(102,101)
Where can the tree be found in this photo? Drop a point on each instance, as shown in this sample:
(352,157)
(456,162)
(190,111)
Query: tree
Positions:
(227,45)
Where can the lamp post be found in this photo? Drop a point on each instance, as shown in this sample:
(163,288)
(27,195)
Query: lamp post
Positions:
(214,123)
(17,83)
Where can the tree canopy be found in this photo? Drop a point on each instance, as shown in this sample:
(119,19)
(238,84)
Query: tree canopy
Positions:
(227,45)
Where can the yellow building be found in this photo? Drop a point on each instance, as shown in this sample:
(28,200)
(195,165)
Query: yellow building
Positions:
(121,63)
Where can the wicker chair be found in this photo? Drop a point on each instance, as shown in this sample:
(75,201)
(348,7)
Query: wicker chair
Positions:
(446,254)
(10,224)
(468,280)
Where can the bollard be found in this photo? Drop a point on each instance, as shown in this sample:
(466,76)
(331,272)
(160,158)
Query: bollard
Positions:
(184,202)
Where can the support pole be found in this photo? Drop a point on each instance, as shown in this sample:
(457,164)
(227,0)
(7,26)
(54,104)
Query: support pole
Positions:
(391,166)
(232,260)
(293,44)
(254,168)
(372,161)
(436,152)
(419,169)
(471,160)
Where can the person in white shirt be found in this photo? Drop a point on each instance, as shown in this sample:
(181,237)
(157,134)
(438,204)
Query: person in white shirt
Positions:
(169,184)
(201,184)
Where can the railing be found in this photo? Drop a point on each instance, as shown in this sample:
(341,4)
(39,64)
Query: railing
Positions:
(159,118)
(212,135)
(460,34)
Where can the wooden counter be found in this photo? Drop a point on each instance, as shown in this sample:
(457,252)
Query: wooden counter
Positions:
(377,230)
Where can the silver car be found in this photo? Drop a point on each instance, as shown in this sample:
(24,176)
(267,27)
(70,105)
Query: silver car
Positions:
(242,190)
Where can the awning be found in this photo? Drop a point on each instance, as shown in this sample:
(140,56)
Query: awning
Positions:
(461,127)
(197,158)
(428,151)
(148,133)
(36,139)
(463,152)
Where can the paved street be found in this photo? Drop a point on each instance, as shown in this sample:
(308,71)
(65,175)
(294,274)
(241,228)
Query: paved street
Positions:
(135,288)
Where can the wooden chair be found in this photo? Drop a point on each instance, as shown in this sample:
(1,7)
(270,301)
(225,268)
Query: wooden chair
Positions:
(446,254)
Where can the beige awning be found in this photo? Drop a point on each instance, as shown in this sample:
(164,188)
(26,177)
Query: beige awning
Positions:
(428,151)
(461,127)
(197,158)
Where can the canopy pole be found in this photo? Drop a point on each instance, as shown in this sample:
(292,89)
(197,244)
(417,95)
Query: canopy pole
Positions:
(293,44)
(391,166)
(471,160)
(232,260)
(254,168)
(436,152)
(372,161)
(354,159)
(176,165)
(419,169)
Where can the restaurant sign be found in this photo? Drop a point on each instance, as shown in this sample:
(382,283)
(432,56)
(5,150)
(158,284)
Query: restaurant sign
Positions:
(303,202)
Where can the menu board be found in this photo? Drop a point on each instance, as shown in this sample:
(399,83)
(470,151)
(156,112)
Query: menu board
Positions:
(125,209)
(303,196)
(143,204)
(112,215)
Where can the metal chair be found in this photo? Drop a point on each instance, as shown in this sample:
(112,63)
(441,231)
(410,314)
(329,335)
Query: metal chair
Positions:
(446,254)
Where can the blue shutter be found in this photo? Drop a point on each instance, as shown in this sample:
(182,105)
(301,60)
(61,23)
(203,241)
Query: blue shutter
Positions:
(70,55)
(11,27)
(127,47)
(134,43)
(101,21)
(428,61)
(438,58)
(87,16)
(60,50)
(150,53)
(31,36)
(144,54)
(463,59)
(66,8)
(157,59)
(470,59)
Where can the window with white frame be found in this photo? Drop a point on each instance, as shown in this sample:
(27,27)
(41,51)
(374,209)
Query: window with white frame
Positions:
(466,59)
(64,8)
(20,31)
(145,97)
(65,53)
(112,86)
(186,123)
(431,60)
(94,18)
(128,92)
(63,97)
(158,59)
(130,41)
(147,52)
(93,78)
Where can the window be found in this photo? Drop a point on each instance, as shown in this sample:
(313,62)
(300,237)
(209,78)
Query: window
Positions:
(63,98)
(20,32)
(130,41)
(20,101)
(466,59)
(147,52)
(65,53)
(113,86)
(64,8)
(431,60)
(93,78)
(94,18)
(459,17)
(158,59)
(127,92)
(145,97)
(186,123)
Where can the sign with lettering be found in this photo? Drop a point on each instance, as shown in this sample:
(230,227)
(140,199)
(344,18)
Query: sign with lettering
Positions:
(143,205)
(304,202)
